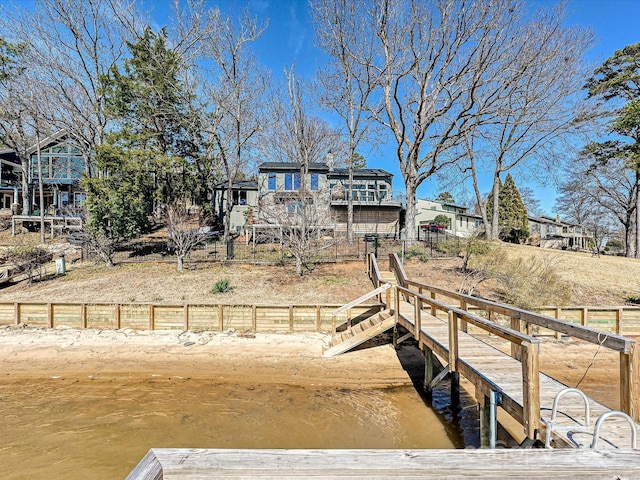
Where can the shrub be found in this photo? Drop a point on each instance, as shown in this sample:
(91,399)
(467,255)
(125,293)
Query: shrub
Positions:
(635,299)
(221,286)
(530,283)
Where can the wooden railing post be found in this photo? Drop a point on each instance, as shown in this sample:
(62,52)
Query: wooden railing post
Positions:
(558,334)
(417,309)
(584,317)
(185,318)
(453,340)
(463,324)
(531,389)
(433,307)
(516,350)
(630,381)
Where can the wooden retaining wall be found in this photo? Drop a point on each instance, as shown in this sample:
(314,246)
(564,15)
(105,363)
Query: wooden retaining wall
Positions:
(214,317)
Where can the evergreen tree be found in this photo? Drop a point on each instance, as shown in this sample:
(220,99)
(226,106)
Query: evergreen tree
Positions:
(618,80)
(154,114)
(512,214)
(445,197)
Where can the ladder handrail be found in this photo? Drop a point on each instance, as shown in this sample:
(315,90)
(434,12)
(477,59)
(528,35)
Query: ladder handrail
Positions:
(551,424)
(614,413)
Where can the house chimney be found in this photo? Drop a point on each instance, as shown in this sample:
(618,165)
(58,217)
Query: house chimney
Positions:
(329,160)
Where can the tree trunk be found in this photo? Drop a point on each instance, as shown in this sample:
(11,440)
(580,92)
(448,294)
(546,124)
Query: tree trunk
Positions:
(350,203)
(410,217)
(495,228)
(637,249)
(180,262)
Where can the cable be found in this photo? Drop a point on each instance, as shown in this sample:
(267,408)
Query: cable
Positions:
(593,360)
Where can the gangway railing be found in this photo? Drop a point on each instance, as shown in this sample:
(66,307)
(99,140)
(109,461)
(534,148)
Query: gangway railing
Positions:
(552,424)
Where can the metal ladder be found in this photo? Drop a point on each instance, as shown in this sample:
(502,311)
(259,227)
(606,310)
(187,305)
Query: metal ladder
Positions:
(552,425)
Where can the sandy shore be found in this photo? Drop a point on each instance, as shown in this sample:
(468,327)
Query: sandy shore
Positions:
(292,358)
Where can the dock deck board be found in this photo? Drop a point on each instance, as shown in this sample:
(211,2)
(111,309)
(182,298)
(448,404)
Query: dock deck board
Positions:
(324,464)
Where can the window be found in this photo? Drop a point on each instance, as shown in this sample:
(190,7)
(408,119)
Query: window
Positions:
(293,206)
(240,198)
(291,181)
(271,181)
(314,181)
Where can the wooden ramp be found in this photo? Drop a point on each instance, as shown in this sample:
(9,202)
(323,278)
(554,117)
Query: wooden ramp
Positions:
(490,369)
(361,332)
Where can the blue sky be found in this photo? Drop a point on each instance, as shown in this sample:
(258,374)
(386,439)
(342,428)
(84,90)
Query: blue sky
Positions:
(289,39)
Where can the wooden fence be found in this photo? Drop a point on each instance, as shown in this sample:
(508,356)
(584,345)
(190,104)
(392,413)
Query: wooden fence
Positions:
(212,317)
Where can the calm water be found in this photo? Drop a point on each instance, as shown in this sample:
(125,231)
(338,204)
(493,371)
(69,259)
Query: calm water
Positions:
(101,427)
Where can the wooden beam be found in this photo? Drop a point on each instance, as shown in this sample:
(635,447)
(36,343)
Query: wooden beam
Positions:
(220,317)
(16,314)
(291,318)
(361,299)
(318,319)
(117,316)
(531,390)
(619,317)
(185,318)
(630,382)
(254,318)
(83,315)
(453,340)
(188,464)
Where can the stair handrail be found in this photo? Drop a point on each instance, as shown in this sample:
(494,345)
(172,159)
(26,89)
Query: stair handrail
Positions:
(357,301)
(395,265)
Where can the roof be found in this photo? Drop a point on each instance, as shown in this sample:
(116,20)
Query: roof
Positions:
(8,155)
(323,167)
(45,142)
(292,166)
(237,185)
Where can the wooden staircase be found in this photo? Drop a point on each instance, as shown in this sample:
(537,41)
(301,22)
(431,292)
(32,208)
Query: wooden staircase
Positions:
(361,332)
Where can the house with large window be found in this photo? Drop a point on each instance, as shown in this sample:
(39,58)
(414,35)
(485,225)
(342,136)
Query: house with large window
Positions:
(550,232)
(462,223)
(244,201)
(59,163)
(281,191)
(10,177)
(61,166)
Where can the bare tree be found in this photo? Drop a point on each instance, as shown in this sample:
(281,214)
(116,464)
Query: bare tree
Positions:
(240,100)
(346,84)
(597,192)
(527,107)
(428,62)
(184,234)
(302,223)
(74,44)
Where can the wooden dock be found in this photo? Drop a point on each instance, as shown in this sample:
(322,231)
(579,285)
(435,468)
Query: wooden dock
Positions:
(407,464)
(503,382)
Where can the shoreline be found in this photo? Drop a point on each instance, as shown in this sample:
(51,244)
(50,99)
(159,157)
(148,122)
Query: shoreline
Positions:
(233,356)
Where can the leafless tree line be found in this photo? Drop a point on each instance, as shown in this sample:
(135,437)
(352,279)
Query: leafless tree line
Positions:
(459,87)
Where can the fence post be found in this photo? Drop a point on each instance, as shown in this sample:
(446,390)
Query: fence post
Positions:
(83,315)
(290,318)
(220,317)
(453,358)
(584,316)
(463,323)
(117,315)
(558,334)
(619,317)
(49,315)
(152,319)
(16,314)
(531,389)
(185,318)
